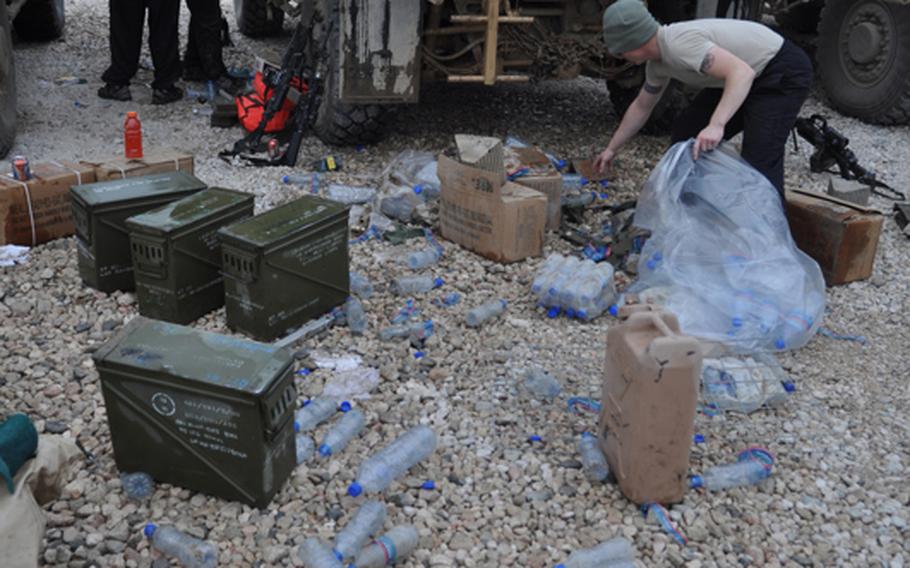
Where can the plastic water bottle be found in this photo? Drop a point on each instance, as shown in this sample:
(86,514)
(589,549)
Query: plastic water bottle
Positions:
(420,259)
(485,312)
(418,330)
(592,458)
(316,554)
(138,486)
(573,181)
(378,471)
(393,546)
(541,384)
(565,274)
(304,447)
(747,472)
(427,191)
(793,329)
(579,200)
(348,194)
(348,428)
(549,265)
(605,555)
(306,180)
(361,285)
(367,521)
(191,552)
(357,318)
(597,292)
(314,412)
(405,285)
(399,207)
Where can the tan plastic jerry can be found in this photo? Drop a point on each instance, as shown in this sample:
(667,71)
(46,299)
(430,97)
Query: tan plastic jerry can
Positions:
(647,415)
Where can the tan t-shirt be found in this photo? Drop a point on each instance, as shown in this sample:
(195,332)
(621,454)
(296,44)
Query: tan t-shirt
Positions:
(683,47)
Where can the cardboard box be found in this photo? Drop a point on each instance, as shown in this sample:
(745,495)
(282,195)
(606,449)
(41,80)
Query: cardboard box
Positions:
(500,220)
(841,236)
(40,210)
(154,162)
(542,177)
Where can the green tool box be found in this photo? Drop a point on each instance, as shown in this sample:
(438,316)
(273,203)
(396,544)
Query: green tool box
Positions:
(177,256)
(100,211)
(204,411)
(285,266)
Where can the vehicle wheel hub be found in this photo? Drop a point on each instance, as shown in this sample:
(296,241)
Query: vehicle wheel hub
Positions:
(867,43)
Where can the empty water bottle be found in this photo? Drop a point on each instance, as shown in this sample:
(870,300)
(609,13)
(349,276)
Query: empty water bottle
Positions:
(593,460)
(794,328)
(579,200)
(400,207)
(607,554)
(316,554)
(549,265)
(367,521)
(137,486)
(541,384)
(484,312)
(427,191)
(348,428)
(361,285)
(405,285)
(349,195)
(388,549)
(416,330)
(378,471)
(191,552)
(356,317)
(315,411)
(747,472)
(304,446)
(419,259)
(573,181)
(307,180)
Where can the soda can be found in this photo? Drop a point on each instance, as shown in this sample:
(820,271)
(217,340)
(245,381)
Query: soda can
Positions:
(21,169)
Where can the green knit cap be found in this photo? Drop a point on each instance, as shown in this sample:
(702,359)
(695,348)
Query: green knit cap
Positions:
(627,25)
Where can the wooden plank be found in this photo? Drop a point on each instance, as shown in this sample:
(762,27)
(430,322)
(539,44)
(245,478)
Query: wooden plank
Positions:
(482,79)
(473,19)
(492,37)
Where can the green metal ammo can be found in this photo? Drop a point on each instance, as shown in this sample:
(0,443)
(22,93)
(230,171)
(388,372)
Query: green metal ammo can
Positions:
(285,266)
(204,411)
(177,256)
(100,211)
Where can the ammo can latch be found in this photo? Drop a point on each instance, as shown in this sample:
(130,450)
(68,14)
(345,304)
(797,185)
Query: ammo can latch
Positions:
(150,255)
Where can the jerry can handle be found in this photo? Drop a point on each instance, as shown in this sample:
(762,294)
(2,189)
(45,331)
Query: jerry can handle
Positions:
(665,322)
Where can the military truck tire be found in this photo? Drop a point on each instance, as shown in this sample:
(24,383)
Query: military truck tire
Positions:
(7,84)
(863,58)
(801,18)
(257,18)
(40,20)
(342,124)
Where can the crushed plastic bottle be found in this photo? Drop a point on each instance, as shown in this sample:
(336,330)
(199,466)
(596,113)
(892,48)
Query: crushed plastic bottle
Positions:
(541,384)
(306,180)
(741,473)
(420,259)
(579,200)
(355,316)
(191,552)
(361,285)
(138,486)
(378,471)
(593,460)
(316,554)
(400,207)
(417,331)
(485,312)
(348,428)
(304,446)
(609,554)
(349,195)
(406,285)
(314,412)
(573,181)
(367,521)
(388,549)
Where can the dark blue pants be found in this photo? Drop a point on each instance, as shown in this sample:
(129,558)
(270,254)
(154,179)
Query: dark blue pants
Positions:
(765,118)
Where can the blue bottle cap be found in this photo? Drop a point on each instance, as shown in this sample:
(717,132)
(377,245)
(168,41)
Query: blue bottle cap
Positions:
(581,314)
(338,555)
(535,438)
(658,256)
(696,482)
(698,439)
(583,180)
(614,309)
(325,451)
(149,529)
(418,189)
(560,164)
(604,183)
(570,312)
(560,565)
(737,322)
(296,426)
(429,485)
(305,371)
(604,195)
(553,312)
(438,282)
(780,344)
(587,435)
(286,179)
(354,489)
(344,406)
(651,264)
(418,354)
(306,402)
(788,386)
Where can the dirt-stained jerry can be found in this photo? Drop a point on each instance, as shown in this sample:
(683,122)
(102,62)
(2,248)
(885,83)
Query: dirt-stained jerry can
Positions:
(647,416)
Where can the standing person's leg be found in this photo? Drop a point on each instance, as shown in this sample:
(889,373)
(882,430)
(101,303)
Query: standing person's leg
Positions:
(205,35)
(697,115)
(770,111)
(126,19)
(164,18)
(192,66)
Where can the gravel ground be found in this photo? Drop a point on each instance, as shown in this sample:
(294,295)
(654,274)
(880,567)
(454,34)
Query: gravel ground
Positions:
(839,493)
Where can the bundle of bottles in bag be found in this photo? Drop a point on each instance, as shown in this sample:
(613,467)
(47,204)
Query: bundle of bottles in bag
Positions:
(577,288)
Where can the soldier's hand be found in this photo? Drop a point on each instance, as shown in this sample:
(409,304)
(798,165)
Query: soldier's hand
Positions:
(603,163)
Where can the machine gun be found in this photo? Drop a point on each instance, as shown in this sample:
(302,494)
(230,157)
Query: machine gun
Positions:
(831,149)
(300,62)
